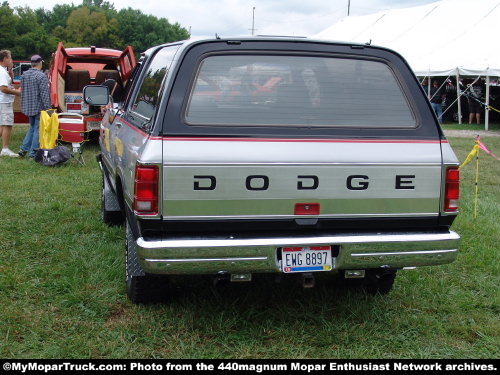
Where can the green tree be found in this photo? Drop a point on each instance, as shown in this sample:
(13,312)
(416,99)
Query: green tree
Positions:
(114,40)
(55,18)
(31,37)
(143,31)
(8,22)
(27,31)
(100,4)
(36,42)
(86,27)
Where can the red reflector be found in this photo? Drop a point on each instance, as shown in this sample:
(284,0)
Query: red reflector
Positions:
(453,174)
(74,106)
(307,209)
(452,191)
(146,189)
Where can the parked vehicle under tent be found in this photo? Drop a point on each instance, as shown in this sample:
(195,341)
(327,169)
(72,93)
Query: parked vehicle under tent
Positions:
(452,40)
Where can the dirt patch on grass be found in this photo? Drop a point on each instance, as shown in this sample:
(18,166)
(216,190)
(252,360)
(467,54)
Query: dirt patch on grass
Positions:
(119,315)
(470,133)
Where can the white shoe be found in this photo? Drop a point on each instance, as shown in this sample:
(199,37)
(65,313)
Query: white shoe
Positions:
(8,152)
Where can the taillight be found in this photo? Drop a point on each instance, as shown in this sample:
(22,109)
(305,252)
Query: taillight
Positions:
(146,189)
(452,190)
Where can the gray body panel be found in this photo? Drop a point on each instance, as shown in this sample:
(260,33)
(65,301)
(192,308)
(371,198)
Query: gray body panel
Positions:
(332,162)
(126,146)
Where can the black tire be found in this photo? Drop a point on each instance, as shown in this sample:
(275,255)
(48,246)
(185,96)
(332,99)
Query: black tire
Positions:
(141,287)
(379,282)
(111,218)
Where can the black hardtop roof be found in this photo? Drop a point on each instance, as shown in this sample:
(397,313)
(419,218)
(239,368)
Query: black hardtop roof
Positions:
(265,38)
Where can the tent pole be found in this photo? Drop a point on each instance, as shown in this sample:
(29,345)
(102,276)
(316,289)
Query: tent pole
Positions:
(458,99)
(486,109)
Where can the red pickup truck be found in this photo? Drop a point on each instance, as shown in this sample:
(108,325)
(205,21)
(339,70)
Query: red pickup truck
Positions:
(74,68)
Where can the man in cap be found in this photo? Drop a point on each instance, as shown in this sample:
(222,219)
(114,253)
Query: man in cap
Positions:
(35,98)
(7,96)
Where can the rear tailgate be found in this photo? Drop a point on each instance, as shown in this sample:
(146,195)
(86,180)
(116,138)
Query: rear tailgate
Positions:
(266,178)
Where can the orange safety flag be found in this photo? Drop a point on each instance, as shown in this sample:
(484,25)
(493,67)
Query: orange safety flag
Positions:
(483,147)
(478,146)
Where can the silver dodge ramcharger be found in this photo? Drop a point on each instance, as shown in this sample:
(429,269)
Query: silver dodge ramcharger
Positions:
(238,157)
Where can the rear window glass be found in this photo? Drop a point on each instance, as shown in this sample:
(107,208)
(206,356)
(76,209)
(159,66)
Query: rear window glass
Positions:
(296,91)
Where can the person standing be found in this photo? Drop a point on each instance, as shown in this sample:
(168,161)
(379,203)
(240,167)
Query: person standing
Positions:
(437,100)
(35,98)
(7,96)
(474,101)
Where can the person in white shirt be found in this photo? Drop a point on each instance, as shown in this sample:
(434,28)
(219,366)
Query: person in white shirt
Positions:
(7,95)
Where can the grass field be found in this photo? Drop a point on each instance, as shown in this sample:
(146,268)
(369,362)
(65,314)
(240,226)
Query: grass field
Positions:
(62,287)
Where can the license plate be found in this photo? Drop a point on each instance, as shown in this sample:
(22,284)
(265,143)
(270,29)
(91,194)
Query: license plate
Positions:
(306,259)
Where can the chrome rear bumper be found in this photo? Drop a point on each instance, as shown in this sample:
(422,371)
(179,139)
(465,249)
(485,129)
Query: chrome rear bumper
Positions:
(255,255)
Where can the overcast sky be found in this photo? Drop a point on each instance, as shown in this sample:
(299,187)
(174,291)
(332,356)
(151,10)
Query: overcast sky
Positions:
(234,17)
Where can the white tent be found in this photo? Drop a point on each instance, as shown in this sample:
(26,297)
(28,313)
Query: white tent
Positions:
(444,38)
(436,38)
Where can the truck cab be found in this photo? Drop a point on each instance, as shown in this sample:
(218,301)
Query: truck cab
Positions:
(236,157)
(74,68)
